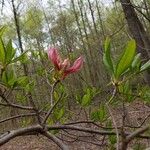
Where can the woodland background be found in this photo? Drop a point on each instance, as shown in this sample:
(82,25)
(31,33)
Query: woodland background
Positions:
(75,27)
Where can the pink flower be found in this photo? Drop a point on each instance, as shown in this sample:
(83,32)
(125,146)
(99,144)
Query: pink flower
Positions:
(64,65)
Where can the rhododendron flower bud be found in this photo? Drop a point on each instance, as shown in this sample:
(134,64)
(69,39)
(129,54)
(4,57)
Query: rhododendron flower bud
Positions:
(64,66)
(54,57)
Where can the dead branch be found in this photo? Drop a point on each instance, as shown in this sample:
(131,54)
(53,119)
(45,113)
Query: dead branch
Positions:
(17,116)
(55,140)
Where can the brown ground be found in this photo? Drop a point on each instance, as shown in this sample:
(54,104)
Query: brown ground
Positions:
(137,113)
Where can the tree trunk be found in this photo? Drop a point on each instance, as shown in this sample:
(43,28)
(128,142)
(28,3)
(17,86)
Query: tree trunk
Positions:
(138,33)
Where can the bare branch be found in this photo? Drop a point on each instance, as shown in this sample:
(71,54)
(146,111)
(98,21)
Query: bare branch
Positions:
(56,140)
(16,106)
(53,107)
(17,116)
(19,132)
(136,133)
(4,138)
(89,130)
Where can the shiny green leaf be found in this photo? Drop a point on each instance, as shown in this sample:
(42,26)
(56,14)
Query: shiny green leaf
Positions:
(145,66)
(2,52)
(126,59)
(10,52)
(107,57)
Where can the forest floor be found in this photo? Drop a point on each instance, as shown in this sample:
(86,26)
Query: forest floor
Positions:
(137,112)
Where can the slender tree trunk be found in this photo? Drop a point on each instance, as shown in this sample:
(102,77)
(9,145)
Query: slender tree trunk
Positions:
(18,33)
(100,20)
(82,42)
(94,82)
(138,33)
(146,8)
(16,20)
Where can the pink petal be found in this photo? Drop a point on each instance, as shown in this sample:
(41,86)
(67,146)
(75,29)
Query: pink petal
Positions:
(65,64)
(76,66)
(54,57)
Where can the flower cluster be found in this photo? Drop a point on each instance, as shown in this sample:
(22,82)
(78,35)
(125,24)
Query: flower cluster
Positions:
(63,66)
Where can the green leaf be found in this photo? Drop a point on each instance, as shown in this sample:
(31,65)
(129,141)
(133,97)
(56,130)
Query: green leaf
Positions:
(22,81)
(107,58)
(145,66)
(56,95)
(86,100)
(2,52)
(20,58)
(9,77)
(136,60)
(112,139)
(10,52)
(100,114)
(4,77)
(78,98)
(30,86)
(60,113)
(2,30)
(126,59)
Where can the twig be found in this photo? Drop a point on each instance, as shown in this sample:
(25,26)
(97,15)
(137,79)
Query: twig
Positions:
(17,116)
(9,104)
(136,133)
(87,122)
(51,110)
(55,140)
(78,138)
(17,106)
(112,117)
(52,91)
(140,124)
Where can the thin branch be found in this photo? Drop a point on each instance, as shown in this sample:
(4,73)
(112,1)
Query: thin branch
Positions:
(78,138)
(50,111)
(112,117)
(90,130)
(146,17)
(136,133)
(17,106)
(55,140)
(52,91)
(17,116)
(88,122)
(144,120)
(9,104)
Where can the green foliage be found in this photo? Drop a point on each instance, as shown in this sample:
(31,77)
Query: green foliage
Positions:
(33,21)
(9,77)
(2,52)
(2,29)
(86,99)
(135,66)
(7,54)
(10,52)
(126,59)
(144,93)
(126,89)
(59,113)
(100,114)
(107,57)
(128,65)
(21,98)
(112,139)
(146,66)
